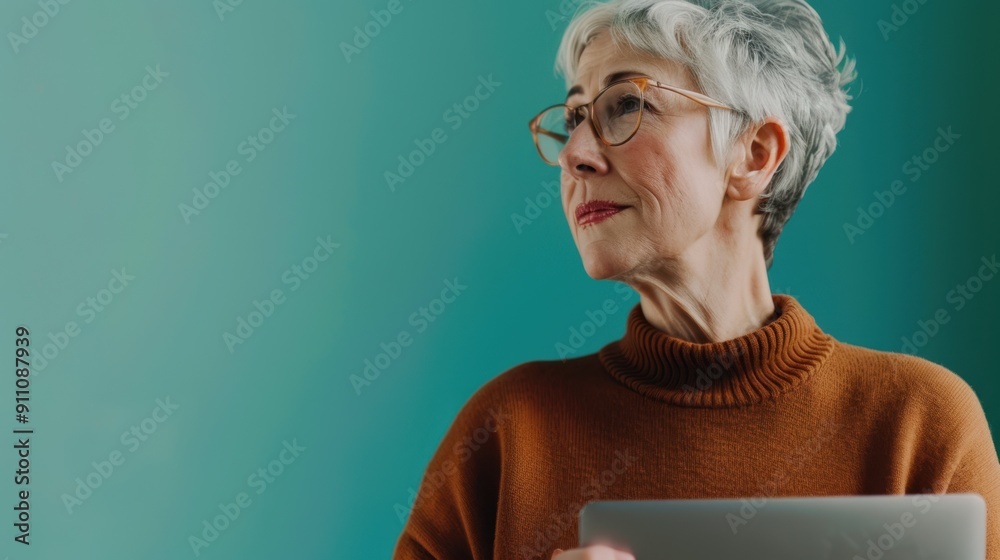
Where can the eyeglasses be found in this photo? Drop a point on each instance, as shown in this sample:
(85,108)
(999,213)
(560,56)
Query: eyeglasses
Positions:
(615,114)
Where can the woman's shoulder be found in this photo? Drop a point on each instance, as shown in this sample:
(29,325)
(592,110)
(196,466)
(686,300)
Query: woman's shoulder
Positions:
(907,377)
(528,385)
(537,377)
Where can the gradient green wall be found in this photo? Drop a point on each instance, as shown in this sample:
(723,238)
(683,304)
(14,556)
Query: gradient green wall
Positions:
(223,71)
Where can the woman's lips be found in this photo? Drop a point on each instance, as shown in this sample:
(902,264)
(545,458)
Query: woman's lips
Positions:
(598,216)
(597,211)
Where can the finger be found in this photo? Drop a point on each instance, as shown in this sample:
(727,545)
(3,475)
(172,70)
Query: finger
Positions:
(608,552)
(556,552)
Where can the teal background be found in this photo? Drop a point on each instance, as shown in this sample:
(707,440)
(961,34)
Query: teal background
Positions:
(323,176)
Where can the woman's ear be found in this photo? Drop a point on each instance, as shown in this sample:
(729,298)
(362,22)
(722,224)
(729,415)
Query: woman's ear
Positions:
(758,153)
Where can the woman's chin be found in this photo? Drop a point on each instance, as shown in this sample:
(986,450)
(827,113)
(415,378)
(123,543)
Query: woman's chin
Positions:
(603,267)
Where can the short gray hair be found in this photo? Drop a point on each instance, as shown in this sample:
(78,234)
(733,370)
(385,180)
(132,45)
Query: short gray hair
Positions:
(762,57)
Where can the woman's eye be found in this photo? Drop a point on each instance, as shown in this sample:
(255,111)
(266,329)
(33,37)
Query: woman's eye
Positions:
(625,105)
(629,105)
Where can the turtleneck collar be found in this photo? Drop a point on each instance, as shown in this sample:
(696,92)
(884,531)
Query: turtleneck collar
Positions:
(741,371)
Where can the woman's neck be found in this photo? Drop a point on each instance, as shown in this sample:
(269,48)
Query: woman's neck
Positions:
(707,300)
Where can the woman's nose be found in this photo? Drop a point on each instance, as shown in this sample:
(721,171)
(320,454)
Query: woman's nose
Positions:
(583,154)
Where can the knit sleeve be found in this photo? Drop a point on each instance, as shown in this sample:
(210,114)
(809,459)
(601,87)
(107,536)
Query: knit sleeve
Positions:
(453,516)
(979,471)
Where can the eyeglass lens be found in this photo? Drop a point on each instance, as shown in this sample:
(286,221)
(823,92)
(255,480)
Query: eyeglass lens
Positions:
(616,111)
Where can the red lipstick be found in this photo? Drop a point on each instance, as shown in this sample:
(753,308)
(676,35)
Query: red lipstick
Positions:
(596,211)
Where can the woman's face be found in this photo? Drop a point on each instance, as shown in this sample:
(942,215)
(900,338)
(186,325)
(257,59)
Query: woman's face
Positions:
(665,176)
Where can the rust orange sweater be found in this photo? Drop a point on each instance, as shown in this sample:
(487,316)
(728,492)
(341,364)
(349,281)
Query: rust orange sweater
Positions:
(785,410)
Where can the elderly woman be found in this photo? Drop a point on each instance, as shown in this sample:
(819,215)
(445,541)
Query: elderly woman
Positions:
(689,134)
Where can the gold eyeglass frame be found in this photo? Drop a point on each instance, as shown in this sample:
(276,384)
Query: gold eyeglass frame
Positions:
(642,82)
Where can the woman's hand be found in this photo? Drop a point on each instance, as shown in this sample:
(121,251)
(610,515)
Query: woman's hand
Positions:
(599,552)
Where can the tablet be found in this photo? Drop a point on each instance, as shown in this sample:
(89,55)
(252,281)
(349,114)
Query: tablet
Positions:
(896,527)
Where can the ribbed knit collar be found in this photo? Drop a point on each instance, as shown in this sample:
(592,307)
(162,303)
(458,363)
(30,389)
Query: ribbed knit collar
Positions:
(741,371)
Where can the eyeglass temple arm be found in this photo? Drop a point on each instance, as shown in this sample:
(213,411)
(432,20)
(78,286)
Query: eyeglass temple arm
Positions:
(700,98)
